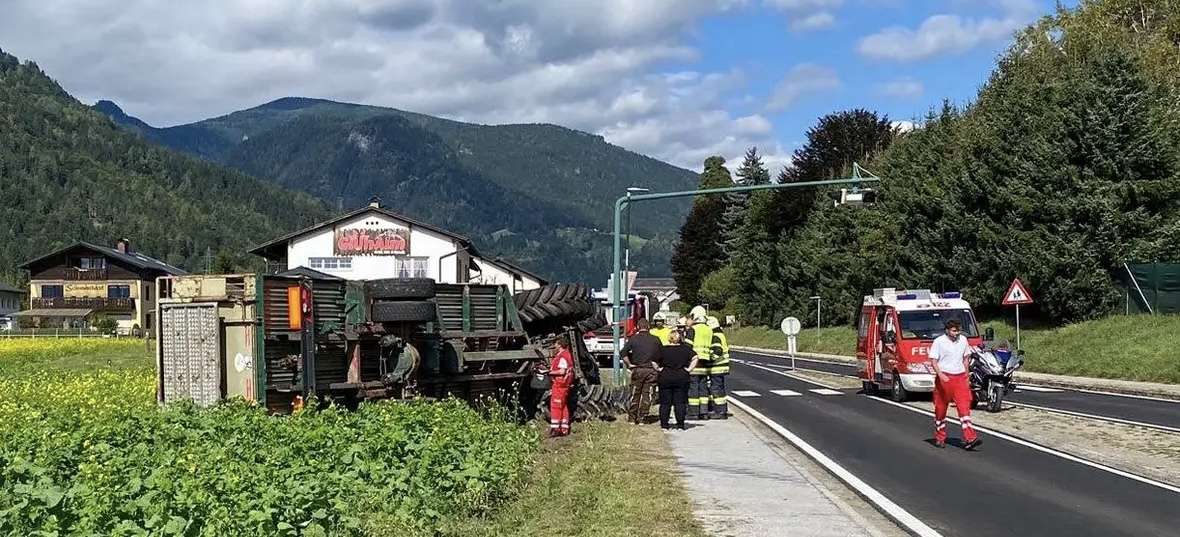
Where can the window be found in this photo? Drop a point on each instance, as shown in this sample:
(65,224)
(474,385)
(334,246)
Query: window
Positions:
(866,317)
(51,291)
(118,291)
(412,267)
(91,263)
(929,324)
(331,263)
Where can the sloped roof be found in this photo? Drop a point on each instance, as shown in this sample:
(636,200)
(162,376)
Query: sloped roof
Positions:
(135,259)
(9,289)
(309,273)
(261,249)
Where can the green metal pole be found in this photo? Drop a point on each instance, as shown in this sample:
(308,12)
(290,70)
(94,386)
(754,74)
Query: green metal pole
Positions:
(625,201)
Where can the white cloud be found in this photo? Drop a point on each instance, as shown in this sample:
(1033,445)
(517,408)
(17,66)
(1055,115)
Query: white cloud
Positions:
(593,65)
(807,14)
(802,80)
(814,21)
(904,125)
(948,34)
(902,88)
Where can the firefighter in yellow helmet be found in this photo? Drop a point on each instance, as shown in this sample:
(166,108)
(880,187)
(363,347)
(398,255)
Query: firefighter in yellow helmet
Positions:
(660,329)
(718,369)
(701,337)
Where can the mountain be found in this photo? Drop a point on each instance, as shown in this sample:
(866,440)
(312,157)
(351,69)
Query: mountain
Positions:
(68,173)
(540,194)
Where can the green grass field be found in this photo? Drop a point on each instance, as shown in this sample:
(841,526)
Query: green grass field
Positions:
(1145,348)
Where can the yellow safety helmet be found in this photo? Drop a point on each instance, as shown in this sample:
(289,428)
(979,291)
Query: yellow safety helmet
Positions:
(698,314)
(713,322)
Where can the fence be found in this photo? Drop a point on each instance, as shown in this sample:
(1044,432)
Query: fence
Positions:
(1151,287)
(75,333)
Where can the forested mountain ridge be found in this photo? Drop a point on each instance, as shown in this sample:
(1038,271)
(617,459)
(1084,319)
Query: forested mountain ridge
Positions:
(540,194)
(67,173)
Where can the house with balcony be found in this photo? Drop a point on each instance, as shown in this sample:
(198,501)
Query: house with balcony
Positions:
(74,286)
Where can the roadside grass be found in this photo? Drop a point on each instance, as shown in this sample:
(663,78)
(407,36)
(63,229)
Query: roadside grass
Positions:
(608,478)
(1138,347)
(28,356)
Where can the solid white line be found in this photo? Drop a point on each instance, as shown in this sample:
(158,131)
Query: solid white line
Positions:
(884,504)
(1025,387)
(825,391)
(1132,396)
(786,356)
(1097,417)
(796,377)
(747,393)
(786,393)
(1043,449)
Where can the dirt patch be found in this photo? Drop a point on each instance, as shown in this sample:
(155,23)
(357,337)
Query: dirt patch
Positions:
(1147,452)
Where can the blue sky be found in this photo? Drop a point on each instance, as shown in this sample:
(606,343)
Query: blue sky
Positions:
(678,80)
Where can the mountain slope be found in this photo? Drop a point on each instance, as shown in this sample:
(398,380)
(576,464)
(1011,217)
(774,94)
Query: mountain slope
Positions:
(68,173)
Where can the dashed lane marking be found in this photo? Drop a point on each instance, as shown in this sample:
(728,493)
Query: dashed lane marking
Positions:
(786,393)
(826,391)
(747,393)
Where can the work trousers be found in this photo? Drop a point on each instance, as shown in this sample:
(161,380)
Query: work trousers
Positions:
(674,397)
(957,388)
(643,381)
(559,410)
(698,395)
(718,404)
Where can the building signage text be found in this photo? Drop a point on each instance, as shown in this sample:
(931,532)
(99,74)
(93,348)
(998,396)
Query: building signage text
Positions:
(385,241)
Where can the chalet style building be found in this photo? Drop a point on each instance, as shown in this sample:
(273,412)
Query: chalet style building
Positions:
(12,300)
(73,286)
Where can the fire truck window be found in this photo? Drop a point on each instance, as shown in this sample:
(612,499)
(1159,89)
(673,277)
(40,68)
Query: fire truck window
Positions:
(863,330)
(929,324)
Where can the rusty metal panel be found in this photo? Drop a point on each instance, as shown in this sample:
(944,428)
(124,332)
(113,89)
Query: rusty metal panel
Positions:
(190,351)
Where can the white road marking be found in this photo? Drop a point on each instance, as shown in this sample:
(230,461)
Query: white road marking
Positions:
(785,393)
(1043,449)
(747,393)
(802,359)
(825,391)
(1097,417)
(1149,398)
(884,504)
(1027,388)
(796,377)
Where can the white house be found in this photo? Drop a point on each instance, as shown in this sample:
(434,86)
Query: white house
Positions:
(372,242)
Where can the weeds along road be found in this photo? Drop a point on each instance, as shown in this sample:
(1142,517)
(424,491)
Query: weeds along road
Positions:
(1163,414)
(1009,487)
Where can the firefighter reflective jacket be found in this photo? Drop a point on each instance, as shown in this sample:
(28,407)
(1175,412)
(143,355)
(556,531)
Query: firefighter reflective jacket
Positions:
(720,349)
(661,333)
(702,345)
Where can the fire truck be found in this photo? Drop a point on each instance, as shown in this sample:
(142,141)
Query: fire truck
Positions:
(895,329)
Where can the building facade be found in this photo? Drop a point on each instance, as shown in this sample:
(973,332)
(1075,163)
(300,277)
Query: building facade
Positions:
(373,243)
(74,286)
(12,300)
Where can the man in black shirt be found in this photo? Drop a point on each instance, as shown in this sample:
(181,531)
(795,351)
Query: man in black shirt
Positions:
(640,355)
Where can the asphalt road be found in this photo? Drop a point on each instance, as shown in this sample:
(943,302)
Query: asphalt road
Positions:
(1004,489)
(1165,413)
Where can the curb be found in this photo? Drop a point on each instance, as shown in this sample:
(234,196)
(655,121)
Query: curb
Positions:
(1125,387)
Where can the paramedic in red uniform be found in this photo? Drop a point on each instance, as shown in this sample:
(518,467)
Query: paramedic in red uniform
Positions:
(561,368)
(949,355)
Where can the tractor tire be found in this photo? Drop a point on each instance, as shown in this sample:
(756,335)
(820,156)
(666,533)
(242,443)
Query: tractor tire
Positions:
(406,311)
(400,288)
(546,294)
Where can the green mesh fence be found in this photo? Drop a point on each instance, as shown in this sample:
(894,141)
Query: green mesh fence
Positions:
(1158,287)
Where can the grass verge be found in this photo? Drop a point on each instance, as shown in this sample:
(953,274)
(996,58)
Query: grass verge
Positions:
(19,357)
(1136,347)
(606,479)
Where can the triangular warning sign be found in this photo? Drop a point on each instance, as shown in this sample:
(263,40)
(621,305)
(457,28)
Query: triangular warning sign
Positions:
(1017,294)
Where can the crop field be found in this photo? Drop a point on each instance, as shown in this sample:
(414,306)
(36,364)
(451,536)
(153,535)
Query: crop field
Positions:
(85,450)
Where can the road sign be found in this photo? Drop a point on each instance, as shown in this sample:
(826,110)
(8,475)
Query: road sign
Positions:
(791,326)
(1017,294)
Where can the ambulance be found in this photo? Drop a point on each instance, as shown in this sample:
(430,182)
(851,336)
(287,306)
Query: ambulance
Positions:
(895,329)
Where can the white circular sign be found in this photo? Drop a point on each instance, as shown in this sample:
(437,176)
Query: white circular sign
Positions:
(241,362)
(791,326)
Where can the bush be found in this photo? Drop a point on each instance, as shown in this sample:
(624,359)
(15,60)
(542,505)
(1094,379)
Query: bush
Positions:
(104,325)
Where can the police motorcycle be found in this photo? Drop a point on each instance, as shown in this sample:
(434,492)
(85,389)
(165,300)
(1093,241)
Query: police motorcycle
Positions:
(991,372)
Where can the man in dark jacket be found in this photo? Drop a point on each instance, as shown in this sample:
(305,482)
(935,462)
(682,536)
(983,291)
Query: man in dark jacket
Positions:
(640,355)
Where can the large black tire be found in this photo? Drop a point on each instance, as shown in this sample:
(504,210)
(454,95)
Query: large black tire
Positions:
(405,311)
(400,288)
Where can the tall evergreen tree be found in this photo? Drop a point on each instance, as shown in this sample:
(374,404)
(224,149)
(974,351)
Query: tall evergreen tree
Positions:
(752,172)
(699,251)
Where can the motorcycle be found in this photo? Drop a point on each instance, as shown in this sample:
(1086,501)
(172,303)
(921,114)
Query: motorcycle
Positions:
(991,375)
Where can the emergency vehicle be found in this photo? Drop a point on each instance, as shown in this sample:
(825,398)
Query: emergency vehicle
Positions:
(600,342)
(895,329)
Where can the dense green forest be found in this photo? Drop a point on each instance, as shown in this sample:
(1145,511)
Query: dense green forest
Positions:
(1062,169)
(68,173)
(542,195)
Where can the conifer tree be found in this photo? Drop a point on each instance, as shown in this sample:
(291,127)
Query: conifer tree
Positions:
(698,251)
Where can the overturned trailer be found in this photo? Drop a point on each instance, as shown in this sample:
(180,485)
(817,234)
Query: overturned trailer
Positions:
(282,340)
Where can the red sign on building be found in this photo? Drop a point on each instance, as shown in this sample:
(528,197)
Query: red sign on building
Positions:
(388,241)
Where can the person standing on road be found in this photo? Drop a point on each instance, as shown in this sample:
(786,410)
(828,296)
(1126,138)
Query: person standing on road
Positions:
(640,355)
(701,337)
(949,355)
(718,369)
(561,370)
(676,360)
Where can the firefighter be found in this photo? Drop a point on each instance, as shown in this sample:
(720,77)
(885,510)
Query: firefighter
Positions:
(561,369)
(718,370)
(661,331)
(950,356)
(701,337)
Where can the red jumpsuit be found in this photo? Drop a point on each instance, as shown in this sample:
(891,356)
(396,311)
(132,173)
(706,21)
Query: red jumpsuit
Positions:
(957,388)
(562,371)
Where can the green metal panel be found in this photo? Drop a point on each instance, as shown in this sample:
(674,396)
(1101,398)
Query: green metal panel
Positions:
(354,303)
(466,308)
(259,340)
(1160,284)
(500,308)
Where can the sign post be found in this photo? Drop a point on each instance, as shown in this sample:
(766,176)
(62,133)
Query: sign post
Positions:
(790,327)
(1016,296)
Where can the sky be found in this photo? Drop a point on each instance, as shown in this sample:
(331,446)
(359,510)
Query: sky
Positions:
(677,80)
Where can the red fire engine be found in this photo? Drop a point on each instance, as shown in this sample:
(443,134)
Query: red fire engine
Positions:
(894,333)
